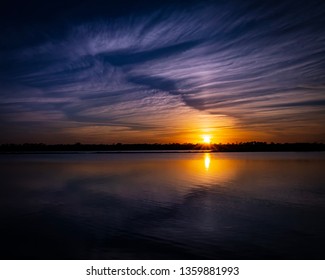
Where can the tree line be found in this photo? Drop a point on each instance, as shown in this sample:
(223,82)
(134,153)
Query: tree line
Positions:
(253,146)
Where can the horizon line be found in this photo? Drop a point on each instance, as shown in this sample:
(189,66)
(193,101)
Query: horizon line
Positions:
(157,143)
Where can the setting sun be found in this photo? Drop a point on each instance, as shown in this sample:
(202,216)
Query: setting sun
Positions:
(207,139)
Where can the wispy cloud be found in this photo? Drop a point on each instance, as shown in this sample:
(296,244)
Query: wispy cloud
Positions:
(254,67)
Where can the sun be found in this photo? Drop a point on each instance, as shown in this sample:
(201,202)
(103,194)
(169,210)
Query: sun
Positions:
(207,139)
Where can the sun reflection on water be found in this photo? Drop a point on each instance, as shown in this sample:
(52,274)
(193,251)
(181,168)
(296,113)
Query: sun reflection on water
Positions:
(207,161)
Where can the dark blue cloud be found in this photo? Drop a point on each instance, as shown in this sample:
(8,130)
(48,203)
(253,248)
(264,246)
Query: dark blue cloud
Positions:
(134,58)
(249,65)
(159,83)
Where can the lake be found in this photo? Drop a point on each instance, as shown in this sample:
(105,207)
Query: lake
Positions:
(163,206)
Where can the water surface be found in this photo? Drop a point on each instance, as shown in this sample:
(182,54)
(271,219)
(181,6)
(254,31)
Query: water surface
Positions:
(163,206)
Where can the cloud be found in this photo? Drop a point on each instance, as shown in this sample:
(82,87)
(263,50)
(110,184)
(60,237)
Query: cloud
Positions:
(217,65)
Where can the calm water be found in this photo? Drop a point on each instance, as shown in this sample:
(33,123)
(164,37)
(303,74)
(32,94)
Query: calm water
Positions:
(163,206)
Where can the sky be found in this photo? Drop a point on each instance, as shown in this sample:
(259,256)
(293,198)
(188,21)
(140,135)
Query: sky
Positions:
(162,71)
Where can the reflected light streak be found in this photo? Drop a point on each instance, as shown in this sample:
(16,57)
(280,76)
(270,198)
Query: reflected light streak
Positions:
(207,161)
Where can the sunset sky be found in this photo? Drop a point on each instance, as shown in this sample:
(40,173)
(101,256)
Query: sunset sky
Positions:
(162,71)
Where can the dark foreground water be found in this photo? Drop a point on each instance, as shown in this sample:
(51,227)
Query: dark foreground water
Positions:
(163,206)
